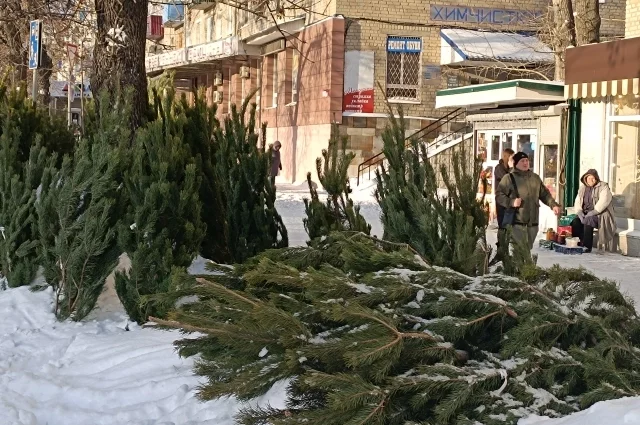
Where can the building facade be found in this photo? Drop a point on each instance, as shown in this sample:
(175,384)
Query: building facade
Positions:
(603,89)
(339,61)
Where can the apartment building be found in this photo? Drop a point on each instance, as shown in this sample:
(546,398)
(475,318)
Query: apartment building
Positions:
(336,61)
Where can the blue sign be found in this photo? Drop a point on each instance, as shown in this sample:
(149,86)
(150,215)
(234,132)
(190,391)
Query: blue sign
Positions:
(404,45)
(35,44)
(479,15)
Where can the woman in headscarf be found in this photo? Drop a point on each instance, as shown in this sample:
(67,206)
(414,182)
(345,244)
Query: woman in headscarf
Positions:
(594,209)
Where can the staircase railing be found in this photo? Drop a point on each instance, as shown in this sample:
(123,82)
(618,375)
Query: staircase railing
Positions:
(377,159)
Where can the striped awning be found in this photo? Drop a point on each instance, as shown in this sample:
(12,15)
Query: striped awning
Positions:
(602,88)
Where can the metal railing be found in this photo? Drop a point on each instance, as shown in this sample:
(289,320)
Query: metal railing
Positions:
(377,159)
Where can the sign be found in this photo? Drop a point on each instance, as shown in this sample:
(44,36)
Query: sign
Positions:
(452,82)
(480,15)
(358,82)
(35,44)
(200,53)
(404,45)
(431,72)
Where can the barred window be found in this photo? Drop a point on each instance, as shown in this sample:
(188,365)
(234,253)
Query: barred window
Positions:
(403,70)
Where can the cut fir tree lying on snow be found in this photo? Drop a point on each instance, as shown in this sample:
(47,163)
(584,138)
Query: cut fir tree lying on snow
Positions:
(367,333)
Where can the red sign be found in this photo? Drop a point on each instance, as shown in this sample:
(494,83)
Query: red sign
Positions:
(358,101)
(358,82)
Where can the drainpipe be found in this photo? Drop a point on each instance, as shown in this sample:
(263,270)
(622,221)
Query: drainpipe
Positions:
(259,84)
(572,161)
(186,33)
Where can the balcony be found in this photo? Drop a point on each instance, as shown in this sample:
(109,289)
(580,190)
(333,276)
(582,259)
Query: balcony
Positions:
(201,5)
(155,30)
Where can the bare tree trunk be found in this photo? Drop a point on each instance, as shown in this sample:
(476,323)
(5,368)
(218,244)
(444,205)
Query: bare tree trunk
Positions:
(44,75)
(587,21)
(563,34)
(119,52)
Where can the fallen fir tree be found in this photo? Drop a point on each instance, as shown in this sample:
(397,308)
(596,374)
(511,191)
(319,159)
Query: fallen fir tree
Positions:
(365,332)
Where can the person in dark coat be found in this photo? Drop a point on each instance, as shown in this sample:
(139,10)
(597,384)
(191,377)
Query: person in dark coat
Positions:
(595,210)
(501,170)
(276,164)
(531,192)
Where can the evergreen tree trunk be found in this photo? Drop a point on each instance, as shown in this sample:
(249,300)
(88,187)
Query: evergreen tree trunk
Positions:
(119,52)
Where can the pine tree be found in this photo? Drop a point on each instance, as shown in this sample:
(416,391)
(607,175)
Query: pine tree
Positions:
(163,228)
(448,230)
(77,219)
(199,129)
(18,186)
(339,212)
(376,336)
(251,219)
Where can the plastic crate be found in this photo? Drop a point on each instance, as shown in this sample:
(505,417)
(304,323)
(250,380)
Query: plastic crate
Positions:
(566,220)
(568,251)
(546,244)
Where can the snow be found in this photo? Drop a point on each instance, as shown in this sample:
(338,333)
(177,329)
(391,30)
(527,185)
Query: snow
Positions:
(263,352)
(96,372)
(624,411)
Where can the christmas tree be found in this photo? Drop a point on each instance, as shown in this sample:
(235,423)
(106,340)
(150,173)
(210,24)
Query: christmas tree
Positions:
(78,214)
(338,212)
(448,230)
(163,226)
(242,168)
(199,129)
(18,186)
(374,335)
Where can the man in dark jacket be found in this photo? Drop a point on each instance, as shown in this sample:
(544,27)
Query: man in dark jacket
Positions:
(531,190)
(501,170)
(276,165)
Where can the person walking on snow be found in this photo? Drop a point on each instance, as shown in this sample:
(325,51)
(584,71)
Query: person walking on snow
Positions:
(521,190)
(502,169)
(276,164)
(594,210)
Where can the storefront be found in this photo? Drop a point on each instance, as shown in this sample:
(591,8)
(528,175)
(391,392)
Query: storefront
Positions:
(523,115)
(609,125)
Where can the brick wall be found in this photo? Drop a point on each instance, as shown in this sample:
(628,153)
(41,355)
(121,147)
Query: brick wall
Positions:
(371,34)
(633,19)
(321,64)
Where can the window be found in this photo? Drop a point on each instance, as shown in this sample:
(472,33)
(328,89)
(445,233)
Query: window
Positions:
(625,105)
(550,168)
(244,16)
(218,27)
(229,20)
(295,68)
(403,68)
(275,80)
(210,32)
(525,144)
(258,77)
(495,147)
(625,160)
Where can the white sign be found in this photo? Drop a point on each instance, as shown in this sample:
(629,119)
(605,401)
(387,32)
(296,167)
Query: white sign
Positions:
(195,54)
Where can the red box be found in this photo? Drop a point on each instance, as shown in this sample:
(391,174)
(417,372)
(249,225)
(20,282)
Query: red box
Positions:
(564,229)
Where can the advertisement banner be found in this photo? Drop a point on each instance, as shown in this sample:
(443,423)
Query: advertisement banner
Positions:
(358,81)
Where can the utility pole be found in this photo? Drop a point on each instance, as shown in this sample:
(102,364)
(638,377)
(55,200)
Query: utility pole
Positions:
(72,51)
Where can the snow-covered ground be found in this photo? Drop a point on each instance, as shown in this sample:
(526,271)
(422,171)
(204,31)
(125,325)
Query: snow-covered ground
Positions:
(98,373)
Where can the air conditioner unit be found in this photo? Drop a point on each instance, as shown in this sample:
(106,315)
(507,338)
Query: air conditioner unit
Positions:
(245,72)
(217,79)
(217,97)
